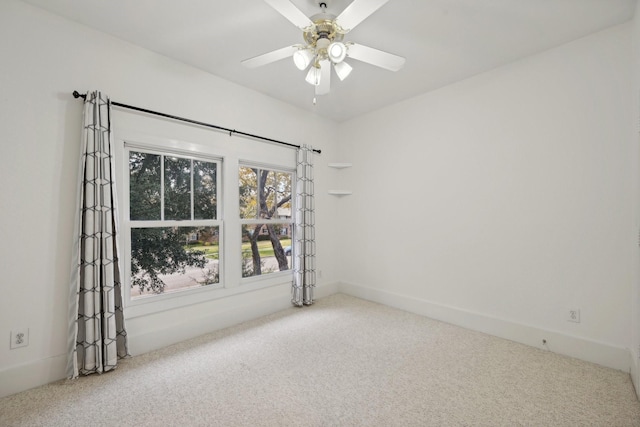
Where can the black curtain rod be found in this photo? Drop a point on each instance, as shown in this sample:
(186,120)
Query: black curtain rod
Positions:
(76,95)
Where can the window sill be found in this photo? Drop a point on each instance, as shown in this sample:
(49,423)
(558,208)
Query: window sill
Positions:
(160,303)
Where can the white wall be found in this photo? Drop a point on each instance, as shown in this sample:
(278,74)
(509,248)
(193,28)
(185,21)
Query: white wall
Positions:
(500,202)
(635,136)
(520,187)
(43,59)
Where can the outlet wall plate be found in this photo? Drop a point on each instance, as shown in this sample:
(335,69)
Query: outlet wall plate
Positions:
(573,315)
(19,338)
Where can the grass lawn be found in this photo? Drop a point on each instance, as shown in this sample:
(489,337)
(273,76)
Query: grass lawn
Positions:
(264,247)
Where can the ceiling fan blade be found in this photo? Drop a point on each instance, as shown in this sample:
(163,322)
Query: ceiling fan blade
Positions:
(375,57)
(268,58)
(357,12)
(292,13)
(325,78)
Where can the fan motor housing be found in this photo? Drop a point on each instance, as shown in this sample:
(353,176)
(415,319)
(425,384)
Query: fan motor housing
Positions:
(324,28)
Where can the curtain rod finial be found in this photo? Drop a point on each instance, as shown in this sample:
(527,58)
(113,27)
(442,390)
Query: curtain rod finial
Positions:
(77,95)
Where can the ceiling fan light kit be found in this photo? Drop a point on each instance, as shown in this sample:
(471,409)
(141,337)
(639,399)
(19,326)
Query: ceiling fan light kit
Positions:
(342,70)
(324,47)
(314,75)
(302,58)
(337,52)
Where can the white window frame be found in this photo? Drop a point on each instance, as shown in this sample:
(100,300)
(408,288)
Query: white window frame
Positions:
(128,224)
(150,133)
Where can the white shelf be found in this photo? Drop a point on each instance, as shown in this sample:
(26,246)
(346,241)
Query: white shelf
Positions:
(340,165)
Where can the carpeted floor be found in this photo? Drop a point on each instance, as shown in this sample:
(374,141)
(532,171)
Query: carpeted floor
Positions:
(341,362)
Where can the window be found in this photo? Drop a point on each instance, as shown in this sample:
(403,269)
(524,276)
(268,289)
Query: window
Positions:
(174,224)
(181,230)
(265,219)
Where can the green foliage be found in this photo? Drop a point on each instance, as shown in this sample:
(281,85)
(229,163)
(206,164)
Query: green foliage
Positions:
(177,188)
(204,190)
(144,183)
(164,250)
(156,251)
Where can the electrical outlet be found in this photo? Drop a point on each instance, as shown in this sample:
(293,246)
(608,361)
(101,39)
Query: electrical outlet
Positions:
(19,338)
(573,315)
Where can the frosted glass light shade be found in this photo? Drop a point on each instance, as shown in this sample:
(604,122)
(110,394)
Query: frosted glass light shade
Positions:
(302,58)
(337,52)
(342,70)
(313,76)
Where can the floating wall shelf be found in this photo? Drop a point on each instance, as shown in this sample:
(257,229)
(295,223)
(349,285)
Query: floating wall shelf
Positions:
(340,165)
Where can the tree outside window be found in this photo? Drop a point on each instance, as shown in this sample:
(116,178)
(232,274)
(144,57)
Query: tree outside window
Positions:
(173,223)
(265,213)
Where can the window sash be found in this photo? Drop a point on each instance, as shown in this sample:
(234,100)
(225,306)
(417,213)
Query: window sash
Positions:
(131,224)
(129,147)
(261,168)
(275,221)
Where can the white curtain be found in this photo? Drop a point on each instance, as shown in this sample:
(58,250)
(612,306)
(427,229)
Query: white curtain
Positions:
(304,263)
(97,335)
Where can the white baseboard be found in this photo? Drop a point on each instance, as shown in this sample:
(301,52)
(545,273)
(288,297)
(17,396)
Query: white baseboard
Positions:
(40,372)
(326,290)
(29,375)
(635,371)
(580,348)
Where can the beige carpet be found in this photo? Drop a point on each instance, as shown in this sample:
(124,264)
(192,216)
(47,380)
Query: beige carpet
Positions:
(341,362)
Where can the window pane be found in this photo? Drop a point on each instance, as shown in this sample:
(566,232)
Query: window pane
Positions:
(268,191)
(265,249)
(274,194)
(204,190)
(144,186)
(248,192)
(284,195)
(177,188)
(171,259)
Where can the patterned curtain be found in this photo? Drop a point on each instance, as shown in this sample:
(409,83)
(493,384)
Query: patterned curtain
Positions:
(97,334)
(304,263)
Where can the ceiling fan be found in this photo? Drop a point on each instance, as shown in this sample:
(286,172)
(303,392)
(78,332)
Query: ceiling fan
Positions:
(324,46)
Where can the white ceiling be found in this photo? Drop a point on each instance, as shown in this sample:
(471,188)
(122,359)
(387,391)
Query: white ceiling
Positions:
(443,41)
